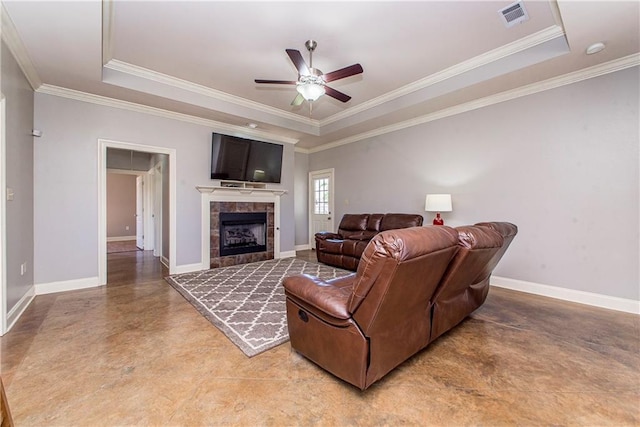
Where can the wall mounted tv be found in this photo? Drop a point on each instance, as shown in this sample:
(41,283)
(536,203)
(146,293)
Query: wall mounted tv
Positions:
(240,159)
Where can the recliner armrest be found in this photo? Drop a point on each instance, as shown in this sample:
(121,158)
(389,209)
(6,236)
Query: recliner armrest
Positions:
(324,235)
(330,297)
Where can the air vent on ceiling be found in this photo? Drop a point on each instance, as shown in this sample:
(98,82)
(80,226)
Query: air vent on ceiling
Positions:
(514,14)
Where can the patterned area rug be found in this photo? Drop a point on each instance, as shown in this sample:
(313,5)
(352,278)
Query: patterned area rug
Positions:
(246,302)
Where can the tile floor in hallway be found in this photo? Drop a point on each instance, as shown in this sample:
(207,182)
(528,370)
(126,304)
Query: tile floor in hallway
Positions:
(135,352)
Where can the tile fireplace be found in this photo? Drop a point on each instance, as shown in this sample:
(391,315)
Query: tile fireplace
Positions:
(240,232)
(239,225)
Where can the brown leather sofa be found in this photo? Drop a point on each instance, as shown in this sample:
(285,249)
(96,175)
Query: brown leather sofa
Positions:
(361,326)
(344,248)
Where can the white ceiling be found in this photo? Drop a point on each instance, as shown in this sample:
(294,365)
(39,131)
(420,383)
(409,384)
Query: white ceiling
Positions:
(421,60)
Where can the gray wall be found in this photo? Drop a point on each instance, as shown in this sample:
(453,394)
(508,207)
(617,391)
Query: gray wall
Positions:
(561,164)
(19,176)
(68,250)
(301,199)
(121,205)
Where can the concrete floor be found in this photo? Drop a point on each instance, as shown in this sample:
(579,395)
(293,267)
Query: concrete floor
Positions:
(135,352)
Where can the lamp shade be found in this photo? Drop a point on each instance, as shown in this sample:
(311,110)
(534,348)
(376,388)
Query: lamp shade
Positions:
(438,203)
(310,91)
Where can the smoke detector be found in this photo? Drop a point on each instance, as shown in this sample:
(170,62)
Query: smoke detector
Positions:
(513,14)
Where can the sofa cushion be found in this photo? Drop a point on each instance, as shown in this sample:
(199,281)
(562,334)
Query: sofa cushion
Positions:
(395,221)
(373,224)
(352,222)
(354,248)
(330,246)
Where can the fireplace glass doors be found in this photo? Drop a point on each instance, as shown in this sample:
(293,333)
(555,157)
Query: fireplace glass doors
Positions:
(242,232)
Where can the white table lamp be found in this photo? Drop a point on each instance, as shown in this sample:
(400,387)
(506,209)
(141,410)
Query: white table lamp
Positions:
(438,203)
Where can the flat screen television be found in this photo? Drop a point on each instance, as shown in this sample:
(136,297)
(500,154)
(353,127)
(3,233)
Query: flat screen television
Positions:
(241,159)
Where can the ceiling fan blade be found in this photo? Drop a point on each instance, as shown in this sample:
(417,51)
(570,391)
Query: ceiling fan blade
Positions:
(336,94)
(297,100)
(276,82)
(349,71)
(298,61)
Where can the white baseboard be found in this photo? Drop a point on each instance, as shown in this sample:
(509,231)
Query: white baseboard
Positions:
(303,247)
(67,285)
(581,297)
(287,254)
(14,314)
(121,238)
(189,268)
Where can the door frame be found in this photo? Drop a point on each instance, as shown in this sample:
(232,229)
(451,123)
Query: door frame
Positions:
(332,196)
(103,144)
(155,208)
(3,222)
(140,211)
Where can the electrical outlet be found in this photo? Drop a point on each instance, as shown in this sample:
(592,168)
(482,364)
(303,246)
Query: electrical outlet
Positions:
(23,268)
(126,227)
(9,194)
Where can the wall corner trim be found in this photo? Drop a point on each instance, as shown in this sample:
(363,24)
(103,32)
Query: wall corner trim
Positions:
(19,308)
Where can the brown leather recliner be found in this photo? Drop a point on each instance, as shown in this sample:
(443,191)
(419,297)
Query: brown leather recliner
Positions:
(344,248)
(361,326)
(465,285)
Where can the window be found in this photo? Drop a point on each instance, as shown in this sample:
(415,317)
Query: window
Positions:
(321,196)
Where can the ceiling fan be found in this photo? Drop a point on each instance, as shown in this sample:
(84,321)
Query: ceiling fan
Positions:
(312,83)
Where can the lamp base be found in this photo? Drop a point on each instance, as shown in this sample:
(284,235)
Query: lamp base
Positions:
(438,220)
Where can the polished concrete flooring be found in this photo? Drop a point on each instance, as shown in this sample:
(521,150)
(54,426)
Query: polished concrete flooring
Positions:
(135,352)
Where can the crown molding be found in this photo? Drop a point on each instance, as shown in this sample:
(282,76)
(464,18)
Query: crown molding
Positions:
(552,83)
(175,82)
(512,48)
(17,48)
(570,78)
(125,105)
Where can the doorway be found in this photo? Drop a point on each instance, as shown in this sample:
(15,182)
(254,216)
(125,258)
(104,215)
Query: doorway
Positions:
(3,207)
(126,208)
(321,202)
(166,175)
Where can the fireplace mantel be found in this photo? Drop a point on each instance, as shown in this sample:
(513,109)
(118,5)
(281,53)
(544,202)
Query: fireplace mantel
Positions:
(212,193)
(239,190)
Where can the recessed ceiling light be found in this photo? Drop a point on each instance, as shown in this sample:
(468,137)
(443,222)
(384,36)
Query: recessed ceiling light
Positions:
(595,48)
(252,125)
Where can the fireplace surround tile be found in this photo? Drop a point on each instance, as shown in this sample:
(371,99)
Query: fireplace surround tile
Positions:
(216,208)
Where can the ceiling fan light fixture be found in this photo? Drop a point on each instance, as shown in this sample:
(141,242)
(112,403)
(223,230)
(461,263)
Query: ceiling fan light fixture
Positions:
(310,91)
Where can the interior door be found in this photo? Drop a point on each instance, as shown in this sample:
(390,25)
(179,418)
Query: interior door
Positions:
(139,212)
(321,203)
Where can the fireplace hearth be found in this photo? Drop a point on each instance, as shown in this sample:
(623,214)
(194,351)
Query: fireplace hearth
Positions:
(242,232)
